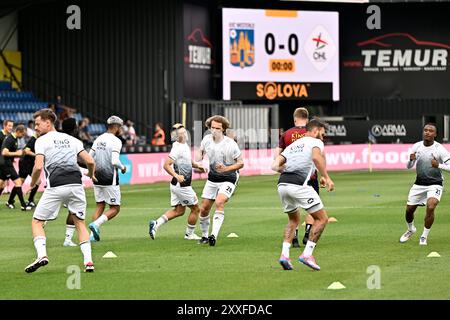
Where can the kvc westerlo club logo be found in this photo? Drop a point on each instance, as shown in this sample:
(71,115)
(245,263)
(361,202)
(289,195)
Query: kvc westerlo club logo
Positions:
(242,44)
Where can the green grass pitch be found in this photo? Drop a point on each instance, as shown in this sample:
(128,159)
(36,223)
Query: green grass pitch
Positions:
(370,212)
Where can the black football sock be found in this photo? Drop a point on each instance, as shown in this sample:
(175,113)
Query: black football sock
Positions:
(33,193)
(12,195)
(20,195)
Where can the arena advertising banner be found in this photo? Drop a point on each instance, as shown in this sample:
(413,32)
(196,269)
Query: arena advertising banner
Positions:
(148,167)
(280,54)
(198,52)
(378,131)
(367,157)
(407,58)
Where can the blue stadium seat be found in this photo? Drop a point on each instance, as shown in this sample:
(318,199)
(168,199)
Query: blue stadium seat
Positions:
(96,128)
(5,85)
(19,106)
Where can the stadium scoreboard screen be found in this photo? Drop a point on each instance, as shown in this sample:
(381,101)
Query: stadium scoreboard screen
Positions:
(280,54)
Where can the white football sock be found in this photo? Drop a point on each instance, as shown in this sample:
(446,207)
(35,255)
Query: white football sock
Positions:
(204,225)
(86,251)
(190,229)
(410,226)
(217,223)
(40,243)
(161,220)
(425,232)
(101,220)
(285,249)
(70,229)
(309,248)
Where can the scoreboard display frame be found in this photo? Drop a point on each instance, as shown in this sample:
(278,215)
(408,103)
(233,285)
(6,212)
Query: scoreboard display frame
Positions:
(280,54)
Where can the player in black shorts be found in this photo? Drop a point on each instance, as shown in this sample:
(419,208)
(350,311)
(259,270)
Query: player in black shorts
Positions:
(7,129)
(26,165)
(9,151)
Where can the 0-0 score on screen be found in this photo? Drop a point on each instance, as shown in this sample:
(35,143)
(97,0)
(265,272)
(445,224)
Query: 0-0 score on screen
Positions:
(271,45)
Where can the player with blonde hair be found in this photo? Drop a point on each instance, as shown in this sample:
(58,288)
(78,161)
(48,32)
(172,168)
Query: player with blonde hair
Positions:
(179,165)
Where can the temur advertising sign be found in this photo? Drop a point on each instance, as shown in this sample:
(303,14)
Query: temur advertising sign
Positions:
(198,52)
(407,58)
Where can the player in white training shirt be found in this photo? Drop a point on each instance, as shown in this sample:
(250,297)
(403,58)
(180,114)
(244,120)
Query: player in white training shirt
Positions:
(181,193)
(56,153)
(430,157)
(106,151)
(70,126)
(225,160)
(296,164)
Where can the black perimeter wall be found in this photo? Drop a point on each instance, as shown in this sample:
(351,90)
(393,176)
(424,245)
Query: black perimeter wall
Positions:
(126,59)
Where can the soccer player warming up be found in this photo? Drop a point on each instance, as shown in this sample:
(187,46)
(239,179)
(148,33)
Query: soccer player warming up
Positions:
(296,164)
(301,118)
(9,151)
(26,165)
(430,157)
(70,126)
(181,193)
(8,126)
(224,161)
(106,151)
(56,153)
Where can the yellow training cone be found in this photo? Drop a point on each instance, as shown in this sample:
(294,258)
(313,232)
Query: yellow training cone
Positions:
(109,254)
(232,235)
(336,286)
(434,254)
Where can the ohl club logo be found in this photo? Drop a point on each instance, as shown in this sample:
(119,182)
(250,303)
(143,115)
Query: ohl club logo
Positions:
(242,45)
(320,48)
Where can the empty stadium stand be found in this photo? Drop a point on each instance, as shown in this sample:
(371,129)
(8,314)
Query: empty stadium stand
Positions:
(19,106)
